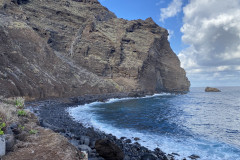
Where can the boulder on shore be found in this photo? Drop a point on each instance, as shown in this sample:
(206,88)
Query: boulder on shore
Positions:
(210,89)
(109,150)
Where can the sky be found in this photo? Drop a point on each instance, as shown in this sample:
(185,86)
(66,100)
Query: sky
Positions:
(205,34)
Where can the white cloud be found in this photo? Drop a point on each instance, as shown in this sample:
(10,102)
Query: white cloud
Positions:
(171,34)
(160,2)
(212,31)
(172,10)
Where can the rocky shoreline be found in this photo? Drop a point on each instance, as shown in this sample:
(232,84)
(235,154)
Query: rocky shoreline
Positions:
(52,114)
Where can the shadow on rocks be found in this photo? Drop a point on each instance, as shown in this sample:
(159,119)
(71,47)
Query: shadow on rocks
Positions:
(109,150)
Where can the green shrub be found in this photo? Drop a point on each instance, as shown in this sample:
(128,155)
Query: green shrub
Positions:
(19,103)
(22,113)
(2,125)
(21,127)
(32,131)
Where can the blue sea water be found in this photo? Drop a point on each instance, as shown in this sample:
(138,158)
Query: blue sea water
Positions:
(202,123)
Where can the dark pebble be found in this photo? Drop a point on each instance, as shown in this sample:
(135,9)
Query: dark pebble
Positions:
(128,141)
(136,139)
(194,156)
(175,154)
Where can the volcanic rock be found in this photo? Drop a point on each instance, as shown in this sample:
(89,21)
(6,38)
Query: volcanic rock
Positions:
(73,48)
(194,156)
(210,89)
(149,157)
(2,146)
(10,141)
(109,150)
(85,148)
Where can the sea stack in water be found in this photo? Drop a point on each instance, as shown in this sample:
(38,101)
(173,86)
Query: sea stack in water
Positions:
(210,89)
(72,48)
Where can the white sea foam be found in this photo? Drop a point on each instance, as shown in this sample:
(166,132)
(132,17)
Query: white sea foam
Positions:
(206,149)
(113,100)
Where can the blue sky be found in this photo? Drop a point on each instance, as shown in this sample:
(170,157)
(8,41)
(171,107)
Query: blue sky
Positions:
(142,9)
(204,34)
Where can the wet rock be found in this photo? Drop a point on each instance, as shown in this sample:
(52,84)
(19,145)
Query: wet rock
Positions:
(137,144)
(136,139)
(128,141)
(109,150)
(159,151)
(194,156)
(175,154)
(170,157)
(149,156)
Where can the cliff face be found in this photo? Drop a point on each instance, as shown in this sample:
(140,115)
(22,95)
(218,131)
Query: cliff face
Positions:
(63,48)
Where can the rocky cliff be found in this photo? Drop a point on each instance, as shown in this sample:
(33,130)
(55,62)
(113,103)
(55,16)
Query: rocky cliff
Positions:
(59,48)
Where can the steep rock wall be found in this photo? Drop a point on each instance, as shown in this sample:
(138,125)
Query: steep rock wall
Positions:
(30,68)
(69,48)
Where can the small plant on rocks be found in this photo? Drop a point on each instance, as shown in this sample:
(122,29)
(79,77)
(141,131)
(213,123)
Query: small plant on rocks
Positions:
(21,113)
(2,125)
(33,131)
(21,127)
(19,104)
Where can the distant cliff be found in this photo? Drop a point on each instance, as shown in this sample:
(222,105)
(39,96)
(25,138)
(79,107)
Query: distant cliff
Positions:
(58,48)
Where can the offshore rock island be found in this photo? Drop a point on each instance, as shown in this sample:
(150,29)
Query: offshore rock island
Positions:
(57,49)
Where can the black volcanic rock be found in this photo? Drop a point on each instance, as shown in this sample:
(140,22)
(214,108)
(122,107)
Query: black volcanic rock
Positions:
(72,48)
(109,150)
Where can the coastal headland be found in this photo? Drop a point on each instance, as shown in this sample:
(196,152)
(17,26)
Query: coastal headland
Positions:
(59,49)
(58,54)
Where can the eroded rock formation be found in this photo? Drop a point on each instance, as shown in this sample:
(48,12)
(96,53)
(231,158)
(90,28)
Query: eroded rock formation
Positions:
(211,89)
(57,48)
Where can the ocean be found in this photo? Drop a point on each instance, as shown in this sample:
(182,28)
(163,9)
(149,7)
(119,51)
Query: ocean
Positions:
(201,123)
